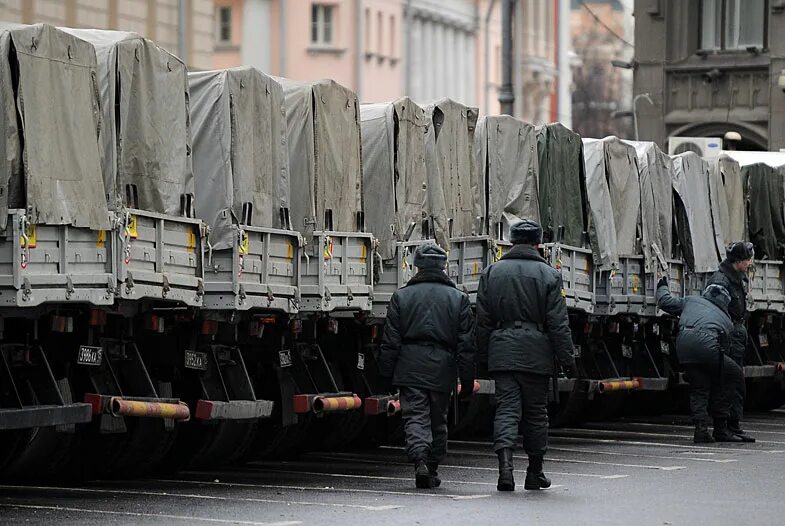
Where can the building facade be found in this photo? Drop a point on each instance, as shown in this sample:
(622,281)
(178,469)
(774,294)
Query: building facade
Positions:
(728,75)
(158,20)
(384,49)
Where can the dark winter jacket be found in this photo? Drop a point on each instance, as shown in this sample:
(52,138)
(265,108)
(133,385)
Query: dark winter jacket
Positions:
(704,327)
(737,283)
(428,337)
(522,321)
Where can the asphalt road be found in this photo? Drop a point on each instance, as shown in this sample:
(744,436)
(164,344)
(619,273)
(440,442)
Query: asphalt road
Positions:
(642,472)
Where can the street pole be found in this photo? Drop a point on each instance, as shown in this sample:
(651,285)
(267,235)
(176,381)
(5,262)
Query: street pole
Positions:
(635,109)
(506,94)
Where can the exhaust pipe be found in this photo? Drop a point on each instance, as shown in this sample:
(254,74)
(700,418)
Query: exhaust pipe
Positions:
(393,407)
(324,404)
(121,407)
(606,386)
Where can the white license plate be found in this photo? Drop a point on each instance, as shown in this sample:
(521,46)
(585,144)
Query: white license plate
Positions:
(90,355)
(196,360)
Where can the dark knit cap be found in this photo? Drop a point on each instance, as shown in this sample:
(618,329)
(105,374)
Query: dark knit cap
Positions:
(430,255)
(739,251)
(526,232)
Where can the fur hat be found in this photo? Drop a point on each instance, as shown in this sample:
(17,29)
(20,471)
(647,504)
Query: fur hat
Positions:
(739,251)
(526,232)
(718,295)
(430,255)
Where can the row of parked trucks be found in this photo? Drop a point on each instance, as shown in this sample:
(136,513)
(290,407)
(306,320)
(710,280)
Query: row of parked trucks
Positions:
(195,267)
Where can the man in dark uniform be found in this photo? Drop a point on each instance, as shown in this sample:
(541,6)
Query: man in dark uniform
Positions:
(732,275)
(705,329)
(428,344)
(522,328)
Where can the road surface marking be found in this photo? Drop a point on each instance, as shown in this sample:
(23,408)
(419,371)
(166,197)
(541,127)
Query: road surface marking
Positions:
(441,466)
(307,488)
(641,455)
(147,515)
(194,496)
(642,433)
(729,449)
(679,426)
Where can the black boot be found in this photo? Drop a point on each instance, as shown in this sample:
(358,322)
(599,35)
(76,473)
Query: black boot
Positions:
(535,478)
(433,468)
(506,481)
(702,435)
(735,428)
(422,475)
(721,433)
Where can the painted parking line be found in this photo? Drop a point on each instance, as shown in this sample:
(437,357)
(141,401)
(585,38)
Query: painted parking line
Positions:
(199,497)
(731,448)
(187,518)
(326,489)
(571,461)
(441,466)
(644,434)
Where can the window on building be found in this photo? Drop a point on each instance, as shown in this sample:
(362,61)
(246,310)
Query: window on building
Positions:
(733,24)
(322,24)
(392,36)
(224,25)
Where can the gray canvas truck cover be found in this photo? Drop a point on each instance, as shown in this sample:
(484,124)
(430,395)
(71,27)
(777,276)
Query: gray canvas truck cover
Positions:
(727,196)
(464,195)
(52,162)
(765,196)
(605,244)
(240,155)
(562,184)
(394,171)
(505,150)
(694,215)
(323,130)
(655,175)
(146,128)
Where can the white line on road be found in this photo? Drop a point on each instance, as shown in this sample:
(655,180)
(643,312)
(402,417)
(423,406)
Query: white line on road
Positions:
(566,460)
(310,488)
(641,455)
(679,426)
(441,466)
(147,515)
(732,448)
(640,433)
(194,496)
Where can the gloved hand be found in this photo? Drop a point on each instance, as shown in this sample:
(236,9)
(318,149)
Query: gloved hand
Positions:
(467,390)
(663,281)
(386,385)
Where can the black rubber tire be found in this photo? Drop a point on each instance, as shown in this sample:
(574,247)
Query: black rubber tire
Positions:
(211,445)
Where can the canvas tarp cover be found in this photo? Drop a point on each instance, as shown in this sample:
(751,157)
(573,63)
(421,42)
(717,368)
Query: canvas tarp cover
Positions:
(454,126)
(562,184)
(654,173)
(727,197)
(765,207)
(394,171)
(505,150)
(239,150)
(323,130)
(605,239)
(146,132)
(696,229)
(52,162)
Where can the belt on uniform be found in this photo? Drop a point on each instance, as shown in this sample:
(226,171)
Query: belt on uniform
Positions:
(518,324)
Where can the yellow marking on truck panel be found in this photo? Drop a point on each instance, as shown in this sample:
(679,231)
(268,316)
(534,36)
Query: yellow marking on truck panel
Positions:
(31,236)
(289,250)
(101,241)
(190,245)
(132,228)
(245,244)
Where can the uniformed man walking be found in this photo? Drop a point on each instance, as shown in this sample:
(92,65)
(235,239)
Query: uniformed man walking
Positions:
(702,347)
(732,275)
(428,344)
(522,329)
